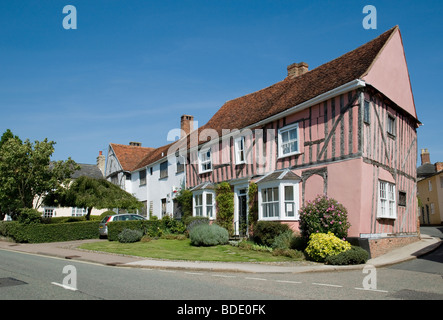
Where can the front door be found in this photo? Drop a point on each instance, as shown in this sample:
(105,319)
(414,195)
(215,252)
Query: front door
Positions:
(243,212)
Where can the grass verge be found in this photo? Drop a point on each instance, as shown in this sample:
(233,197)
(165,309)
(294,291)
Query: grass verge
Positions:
(183,250)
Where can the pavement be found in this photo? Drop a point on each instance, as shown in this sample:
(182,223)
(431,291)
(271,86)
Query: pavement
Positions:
(69,251)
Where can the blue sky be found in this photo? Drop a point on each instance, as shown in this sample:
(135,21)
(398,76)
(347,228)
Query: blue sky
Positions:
(132,68)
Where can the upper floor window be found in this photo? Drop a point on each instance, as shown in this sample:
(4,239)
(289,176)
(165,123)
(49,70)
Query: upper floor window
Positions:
(391,125)
(205,161)
(142,176)
(239,147)
(164,169)
(180,160)
(288,142)
(366,112)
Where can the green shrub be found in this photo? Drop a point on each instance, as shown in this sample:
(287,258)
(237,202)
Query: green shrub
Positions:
(106,213)
(291,253)
(130,236)
(248,245)
(283,240)
(29,216)
(151,228)
(264,232)
(170,225)
(324,215)
(322,245)
(208,235)
(191,222)
(184,200)
(356,255)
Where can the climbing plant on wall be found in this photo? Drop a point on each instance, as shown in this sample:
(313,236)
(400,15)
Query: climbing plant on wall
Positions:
(225,206)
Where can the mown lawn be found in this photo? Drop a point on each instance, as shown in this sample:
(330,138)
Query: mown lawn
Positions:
(183,250)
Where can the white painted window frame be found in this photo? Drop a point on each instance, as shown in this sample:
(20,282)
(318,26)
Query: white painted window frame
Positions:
(204,204)
(239,151)
(387,202)
(282,214)
(280,140)
(206,161)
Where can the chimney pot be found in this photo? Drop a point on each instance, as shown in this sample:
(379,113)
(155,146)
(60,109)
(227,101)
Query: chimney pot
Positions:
(186,125)
(425,156)
(297,69)
(101,162)
(135,144)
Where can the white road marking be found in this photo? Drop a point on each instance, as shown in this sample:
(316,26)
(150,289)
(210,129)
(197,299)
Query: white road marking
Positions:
(288,281)
(64,286)
(375,290)
(327,285)
(260,279)
(197,273)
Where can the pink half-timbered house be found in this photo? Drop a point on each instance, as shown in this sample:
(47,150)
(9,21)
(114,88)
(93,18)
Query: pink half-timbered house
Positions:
(346,129)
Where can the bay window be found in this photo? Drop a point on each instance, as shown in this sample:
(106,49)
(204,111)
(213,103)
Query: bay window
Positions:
(278,200)
(204,204)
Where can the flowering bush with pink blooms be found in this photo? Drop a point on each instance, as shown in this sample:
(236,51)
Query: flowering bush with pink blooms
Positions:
(324,215)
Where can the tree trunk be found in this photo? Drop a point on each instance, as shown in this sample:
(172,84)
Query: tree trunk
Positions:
(88,215)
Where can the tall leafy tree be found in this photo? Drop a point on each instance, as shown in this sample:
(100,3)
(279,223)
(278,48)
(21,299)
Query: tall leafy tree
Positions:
(6,136)
(27,173)
(87,192)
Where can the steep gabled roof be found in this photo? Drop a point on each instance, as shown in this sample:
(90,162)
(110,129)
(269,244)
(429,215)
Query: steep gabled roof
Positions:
(153,156)
(129,156)
(252,108)
(89,170)
(281,96)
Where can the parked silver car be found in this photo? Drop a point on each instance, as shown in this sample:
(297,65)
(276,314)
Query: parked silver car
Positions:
(103,226)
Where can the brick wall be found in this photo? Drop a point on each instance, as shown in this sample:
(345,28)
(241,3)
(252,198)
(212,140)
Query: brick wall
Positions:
(381,246)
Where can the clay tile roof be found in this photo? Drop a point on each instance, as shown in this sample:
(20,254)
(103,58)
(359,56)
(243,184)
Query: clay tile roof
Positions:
(257,106)
(252,108)
(153,156)
(130,156)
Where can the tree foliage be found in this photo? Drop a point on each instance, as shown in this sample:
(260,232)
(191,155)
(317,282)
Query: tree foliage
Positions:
(27,173)
(184,200)
(87,192)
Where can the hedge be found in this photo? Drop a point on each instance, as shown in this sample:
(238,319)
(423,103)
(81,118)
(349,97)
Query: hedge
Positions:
(152,228)
(38,233)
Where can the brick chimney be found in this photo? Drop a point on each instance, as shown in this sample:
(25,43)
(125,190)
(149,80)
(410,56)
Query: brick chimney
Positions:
(186,125)
(101,161)
(135,144)
(297,69)
(425,156)
(438,166)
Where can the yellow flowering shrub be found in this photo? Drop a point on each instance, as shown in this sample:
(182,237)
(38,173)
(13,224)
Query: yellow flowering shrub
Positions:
(323,245)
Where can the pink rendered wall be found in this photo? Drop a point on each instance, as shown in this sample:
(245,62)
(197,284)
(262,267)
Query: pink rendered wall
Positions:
(389,74)
(345,186)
